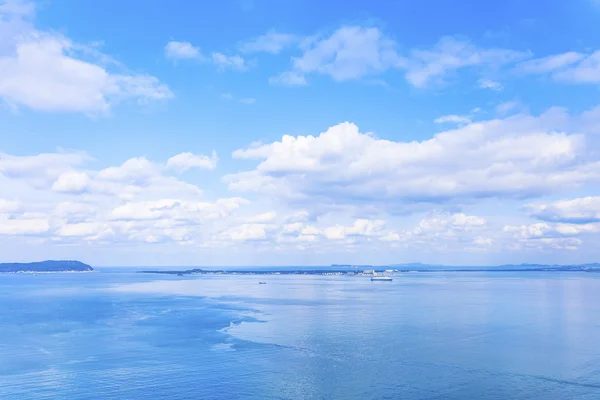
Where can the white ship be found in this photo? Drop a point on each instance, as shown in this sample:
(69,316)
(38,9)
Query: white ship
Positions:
(381,278)
(384,278)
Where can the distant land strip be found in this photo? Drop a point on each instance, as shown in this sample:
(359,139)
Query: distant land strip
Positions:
(46,266)
(338,269)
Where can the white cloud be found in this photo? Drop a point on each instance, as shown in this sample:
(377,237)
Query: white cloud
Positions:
(587,71)
(442,231)
(133,170)
(361,227)
(79,229)
(350,52)
(263,218)
(453,118)
(71,182)
(580,210)
(45,71)
(176,210)
(186,51)
(520,156)
(547,230)
(135,202)
(181,50)
(289,78)
(42,169)
(451,54)
(490,84)
(508,106)
(355,52)
(69,212)
(550,63)
(23,225)
(17,7)
(245,232)
(483,241)
(185,161)
(224,62)
(8,206)
(570,67)
(272,42)
(551,236)
(247,100)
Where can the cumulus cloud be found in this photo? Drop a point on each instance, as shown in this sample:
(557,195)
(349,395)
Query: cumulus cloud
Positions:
(42,169)
(245,232)
(181,50)
(135,202)
(136,169)
(45,71)
(263,218)
(71,182)
(544,235)
(8,206)
(519,157)
(23,225)
(185,161)
(582,210)
(361,227)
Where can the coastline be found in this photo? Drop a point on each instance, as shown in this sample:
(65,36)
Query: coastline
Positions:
(362,272)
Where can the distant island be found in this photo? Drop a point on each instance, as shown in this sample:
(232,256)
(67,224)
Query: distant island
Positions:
(46,266)
(369,270)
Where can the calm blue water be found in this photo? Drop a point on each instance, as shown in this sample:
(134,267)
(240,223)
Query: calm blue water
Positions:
(122,335)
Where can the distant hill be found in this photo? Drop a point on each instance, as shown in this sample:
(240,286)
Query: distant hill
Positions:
(46,266)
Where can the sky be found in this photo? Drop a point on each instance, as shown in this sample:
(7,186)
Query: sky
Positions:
(262,132)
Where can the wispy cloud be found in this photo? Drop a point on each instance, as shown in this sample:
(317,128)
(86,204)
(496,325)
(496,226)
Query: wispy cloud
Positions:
(354,52)
(224,62)
(490,84)
(453,118)
(569,67)
(272,42)
(244,100)
(289,78)
(177,51)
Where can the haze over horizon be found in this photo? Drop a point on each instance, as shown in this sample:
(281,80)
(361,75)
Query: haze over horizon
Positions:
(137,136)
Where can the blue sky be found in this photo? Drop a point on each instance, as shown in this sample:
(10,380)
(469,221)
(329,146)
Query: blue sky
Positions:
(253,132)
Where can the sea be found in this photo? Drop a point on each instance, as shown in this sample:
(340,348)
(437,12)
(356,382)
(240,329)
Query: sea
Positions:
(119,334)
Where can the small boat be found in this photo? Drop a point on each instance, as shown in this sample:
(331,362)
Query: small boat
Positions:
(262,283)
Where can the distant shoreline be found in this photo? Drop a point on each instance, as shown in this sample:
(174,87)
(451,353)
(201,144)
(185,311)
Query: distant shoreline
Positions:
(361,271)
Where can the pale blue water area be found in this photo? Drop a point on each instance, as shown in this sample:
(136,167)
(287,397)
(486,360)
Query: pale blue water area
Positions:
(121,335)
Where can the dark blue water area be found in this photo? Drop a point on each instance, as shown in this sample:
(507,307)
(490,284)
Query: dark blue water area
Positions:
(116,334)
